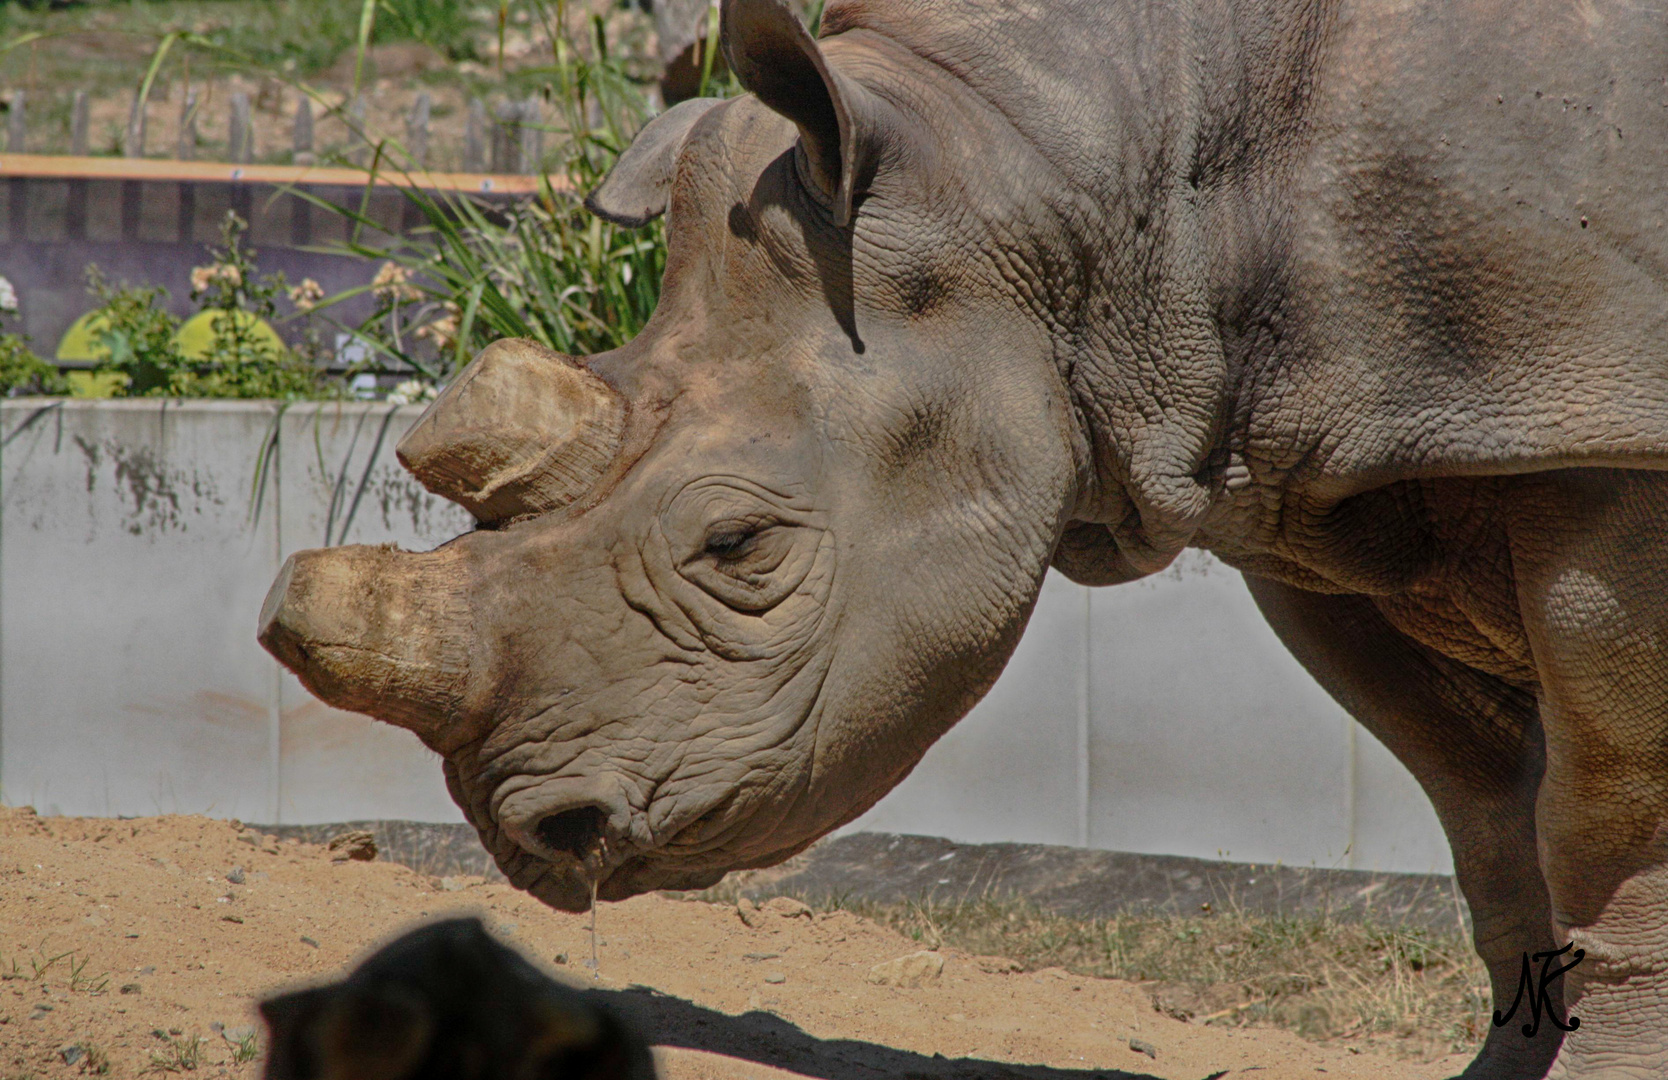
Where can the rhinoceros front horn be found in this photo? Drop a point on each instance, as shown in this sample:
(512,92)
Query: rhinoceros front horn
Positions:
(379,631)
(522,431)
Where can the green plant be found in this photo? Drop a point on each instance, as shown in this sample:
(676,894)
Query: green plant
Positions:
(136,334)
(447,26)
(543,268)
(181,1054)
(81,982)
(94,1061)
(245,1049)
(240,355)
(21,371)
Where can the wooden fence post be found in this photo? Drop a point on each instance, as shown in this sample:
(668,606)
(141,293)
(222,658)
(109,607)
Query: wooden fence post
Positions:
(302,139)
(187,150)
(506,138)
(358,145)
(532,134)
(17,127)
(79,113)
(474,132)
(133,144)
(417,130)
(240,139)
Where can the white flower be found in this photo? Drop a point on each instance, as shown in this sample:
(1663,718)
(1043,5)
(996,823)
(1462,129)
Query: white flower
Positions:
(306,295)
(442,330)
(412,390)
(392,283)
(8,295)
(204,276)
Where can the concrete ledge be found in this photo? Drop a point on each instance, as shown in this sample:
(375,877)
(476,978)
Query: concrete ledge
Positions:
(888,868)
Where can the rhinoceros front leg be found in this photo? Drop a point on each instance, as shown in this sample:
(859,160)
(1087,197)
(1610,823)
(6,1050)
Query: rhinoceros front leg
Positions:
(1473,743)
(1590,556)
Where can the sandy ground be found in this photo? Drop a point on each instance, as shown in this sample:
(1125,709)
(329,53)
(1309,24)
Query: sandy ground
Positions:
(158,949)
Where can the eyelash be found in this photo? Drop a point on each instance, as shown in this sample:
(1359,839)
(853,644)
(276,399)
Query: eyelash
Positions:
(730,545)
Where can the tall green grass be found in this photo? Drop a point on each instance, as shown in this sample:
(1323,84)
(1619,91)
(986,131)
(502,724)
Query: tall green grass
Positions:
(543,268)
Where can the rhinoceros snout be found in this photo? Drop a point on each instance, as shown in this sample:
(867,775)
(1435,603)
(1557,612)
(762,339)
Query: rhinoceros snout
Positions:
(375,630)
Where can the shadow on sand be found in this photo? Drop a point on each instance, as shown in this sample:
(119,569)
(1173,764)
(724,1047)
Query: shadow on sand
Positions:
(767,1039)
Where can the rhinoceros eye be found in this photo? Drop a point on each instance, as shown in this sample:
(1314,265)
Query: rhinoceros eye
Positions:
(730,543)
(740,545)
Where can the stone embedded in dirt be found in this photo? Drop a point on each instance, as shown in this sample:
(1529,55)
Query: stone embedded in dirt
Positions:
(748,912)
(72,1053)
(451,884)
(909,972)
(787,908)
(235,875)
(357,844)
(997,965)
(238,1034)
(776,978)
(309,941)
(132,988)
(1141,1047)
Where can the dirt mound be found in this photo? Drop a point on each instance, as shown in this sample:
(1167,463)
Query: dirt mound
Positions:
(135,946)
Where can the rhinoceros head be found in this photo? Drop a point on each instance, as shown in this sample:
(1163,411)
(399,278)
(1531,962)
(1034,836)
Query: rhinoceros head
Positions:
(733,579)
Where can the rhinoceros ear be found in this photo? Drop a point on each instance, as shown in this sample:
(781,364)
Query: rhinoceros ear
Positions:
(637,189)
(774,56)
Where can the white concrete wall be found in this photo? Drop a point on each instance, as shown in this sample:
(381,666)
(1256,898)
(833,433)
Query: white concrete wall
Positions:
(1159,717)
(1164,717)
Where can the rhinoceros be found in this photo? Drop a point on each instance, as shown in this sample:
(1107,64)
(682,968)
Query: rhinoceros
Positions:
(1368,299)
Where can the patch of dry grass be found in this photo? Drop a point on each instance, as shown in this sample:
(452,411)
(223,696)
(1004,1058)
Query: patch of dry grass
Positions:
(1406,991)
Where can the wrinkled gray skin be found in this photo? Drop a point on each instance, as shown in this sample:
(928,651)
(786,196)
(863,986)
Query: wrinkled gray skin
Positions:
(1371,300)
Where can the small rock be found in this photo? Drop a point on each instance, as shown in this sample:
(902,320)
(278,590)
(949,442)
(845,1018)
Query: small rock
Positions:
(997,965)
(776,978)
(232,919)
(357,845)
(238,1034)
(909,972)
(132,988)
(787,907)
(757,956)
(451,884)
(747,911)
(1141,1047)
(561,958)
(72,1053)
(235,875)
(148,969)
(250,837)
(216,1026)
(309,941)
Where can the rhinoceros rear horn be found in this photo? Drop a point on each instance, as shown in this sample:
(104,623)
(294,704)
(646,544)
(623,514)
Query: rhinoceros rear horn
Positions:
(522,431)
(774,56)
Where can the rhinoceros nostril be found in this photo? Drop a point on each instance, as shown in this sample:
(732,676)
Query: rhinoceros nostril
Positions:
(575,831)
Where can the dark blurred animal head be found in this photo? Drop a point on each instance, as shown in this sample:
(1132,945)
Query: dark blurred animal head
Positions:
(448,1002)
